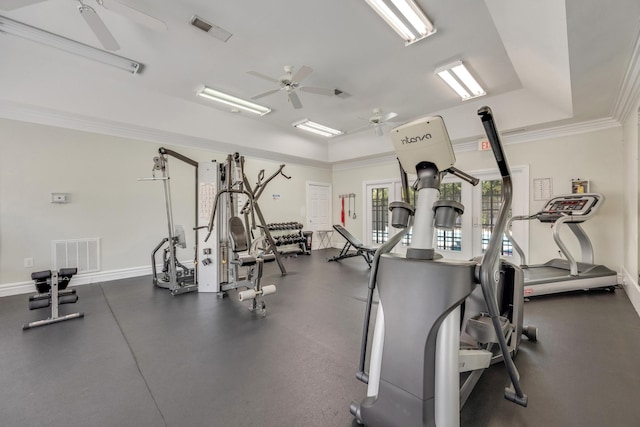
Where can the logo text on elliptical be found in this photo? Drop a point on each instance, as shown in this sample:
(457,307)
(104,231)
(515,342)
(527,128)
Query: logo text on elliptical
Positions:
(415,139)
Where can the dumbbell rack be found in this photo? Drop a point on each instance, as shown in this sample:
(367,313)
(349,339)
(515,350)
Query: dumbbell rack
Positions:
(288,237)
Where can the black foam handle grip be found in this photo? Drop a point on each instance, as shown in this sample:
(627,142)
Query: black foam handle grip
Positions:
(494,139)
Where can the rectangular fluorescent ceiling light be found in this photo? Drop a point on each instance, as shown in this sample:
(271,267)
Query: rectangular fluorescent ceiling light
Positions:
(459,79)
(317,128)
(232,101)
(46,38)
(405,17)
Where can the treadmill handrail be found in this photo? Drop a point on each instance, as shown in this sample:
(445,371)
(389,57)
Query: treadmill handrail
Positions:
(571,220)
(509,235)
(585,244)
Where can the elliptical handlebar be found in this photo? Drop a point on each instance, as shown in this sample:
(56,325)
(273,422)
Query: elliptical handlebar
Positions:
(489,268)
(486,115)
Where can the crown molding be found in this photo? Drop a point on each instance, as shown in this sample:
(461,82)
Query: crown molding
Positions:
(629,92)
(45,116)
(383,159)
(562,131)
(524,137)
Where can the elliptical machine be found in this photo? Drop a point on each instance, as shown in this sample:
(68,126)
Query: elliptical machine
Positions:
(416,359)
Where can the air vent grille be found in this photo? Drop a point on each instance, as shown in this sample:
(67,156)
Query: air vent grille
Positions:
(84,254)
(209,28)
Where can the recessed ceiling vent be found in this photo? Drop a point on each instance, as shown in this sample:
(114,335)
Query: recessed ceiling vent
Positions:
(211,29)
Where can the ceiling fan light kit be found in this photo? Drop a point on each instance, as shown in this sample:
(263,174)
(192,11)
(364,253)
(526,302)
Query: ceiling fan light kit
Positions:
(232,101)
(460,80)
(405,17)
(46,38)
(290,83)
(377,121)
(317,128)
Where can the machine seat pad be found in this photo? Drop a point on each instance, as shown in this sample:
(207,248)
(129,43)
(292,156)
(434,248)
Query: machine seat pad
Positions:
(41,275)
(371,249)
(267,257)
(348,236)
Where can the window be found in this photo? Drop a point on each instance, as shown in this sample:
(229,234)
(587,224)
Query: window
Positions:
(379,214)
(491,200)
(451,239)
(471,234)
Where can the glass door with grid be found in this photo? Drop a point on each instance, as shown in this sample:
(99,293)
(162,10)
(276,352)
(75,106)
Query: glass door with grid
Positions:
(470,235)
(487,196)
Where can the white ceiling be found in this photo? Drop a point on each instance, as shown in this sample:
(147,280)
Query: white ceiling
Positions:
(544,63)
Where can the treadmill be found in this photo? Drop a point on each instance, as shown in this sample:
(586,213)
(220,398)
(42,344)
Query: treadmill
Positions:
(564,275)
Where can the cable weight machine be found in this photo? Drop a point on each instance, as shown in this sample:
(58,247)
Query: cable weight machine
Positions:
(226,254)
(175,276)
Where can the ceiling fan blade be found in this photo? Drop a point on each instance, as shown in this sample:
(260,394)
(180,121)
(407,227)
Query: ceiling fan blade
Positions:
(262,76)
(133,14)
(302,74)
(389,117)
(261,95)
(294,100)
(318,90)
(16,4)
(377,129)
(99,29)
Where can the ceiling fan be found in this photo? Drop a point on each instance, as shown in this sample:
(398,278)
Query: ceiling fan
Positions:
(96,24)
(377,121)
(290,82)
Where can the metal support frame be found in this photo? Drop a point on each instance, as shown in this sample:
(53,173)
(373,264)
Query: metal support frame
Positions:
(53,296)
(251,207)
(187,282)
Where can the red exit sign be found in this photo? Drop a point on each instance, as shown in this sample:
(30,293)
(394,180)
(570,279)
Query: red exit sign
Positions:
(483,145)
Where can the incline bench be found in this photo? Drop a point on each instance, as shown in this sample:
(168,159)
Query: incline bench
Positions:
(360,249)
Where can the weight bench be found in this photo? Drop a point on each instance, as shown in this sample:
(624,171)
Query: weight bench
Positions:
(52,291)
(366,252)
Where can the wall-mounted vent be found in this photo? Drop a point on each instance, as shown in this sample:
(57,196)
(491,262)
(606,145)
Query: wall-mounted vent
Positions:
(84,254)
(209,28)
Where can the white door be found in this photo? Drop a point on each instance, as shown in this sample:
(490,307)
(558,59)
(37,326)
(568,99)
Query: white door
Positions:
(318,208)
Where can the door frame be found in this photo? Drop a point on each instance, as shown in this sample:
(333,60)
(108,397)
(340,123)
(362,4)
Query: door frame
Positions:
(366,213)
(308,204)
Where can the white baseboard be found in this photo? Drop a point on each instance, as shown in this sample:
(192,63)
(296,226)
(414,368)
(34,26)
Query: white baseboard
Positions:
(18,288)
(631,287)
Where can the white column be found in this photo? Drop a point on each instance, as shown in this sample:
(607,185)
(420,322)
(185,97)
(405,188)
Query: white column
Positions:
(447,376)
(422,236)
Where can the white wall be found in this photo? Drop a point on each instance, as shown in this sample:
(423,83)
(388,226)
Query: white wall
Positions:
(348,179)
(595,156)
(107,200)
(101,174)
(631,186)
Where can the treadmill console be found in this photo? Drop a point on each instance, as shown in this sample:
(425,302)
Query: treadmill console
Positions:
(578,206)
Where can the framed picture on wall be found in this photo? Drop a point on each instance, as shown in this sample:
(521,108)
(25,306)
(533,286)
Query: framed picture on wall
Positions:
(579,186)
